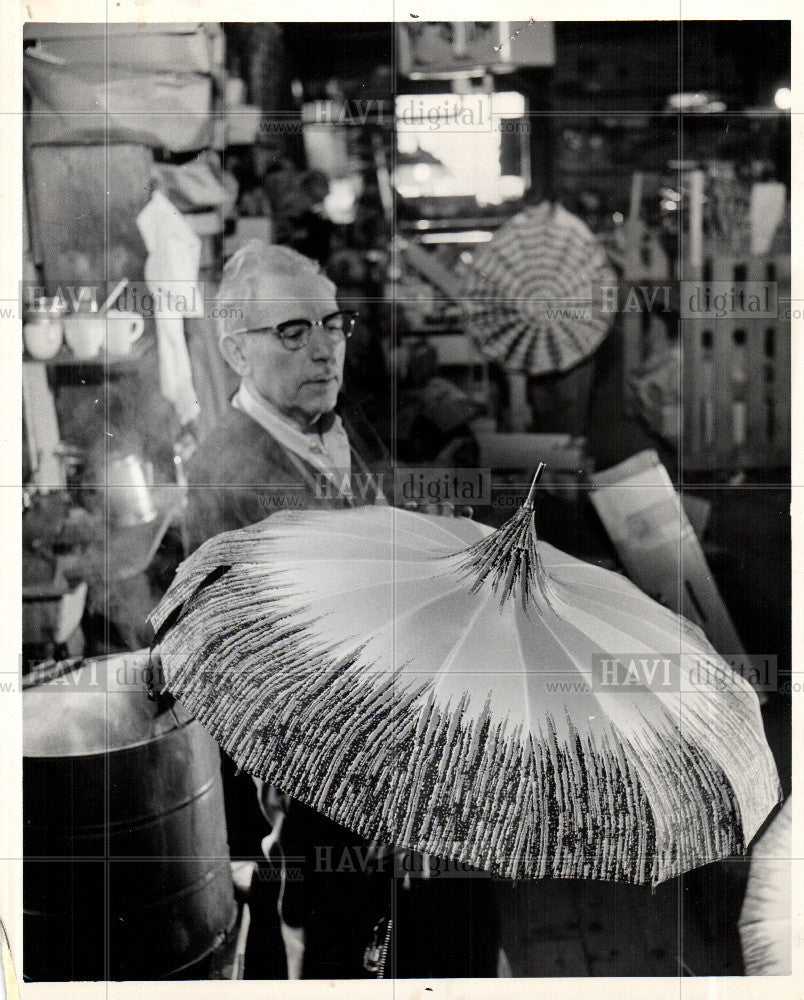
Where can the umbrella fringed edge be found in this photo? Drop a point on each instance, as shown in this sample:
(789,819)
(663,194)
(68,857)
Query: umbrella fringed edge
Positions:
(695,808)
(390,764)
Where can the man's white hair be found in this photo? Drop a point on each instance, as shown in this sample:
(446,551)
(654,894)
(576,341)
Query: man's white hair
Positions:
(245,285)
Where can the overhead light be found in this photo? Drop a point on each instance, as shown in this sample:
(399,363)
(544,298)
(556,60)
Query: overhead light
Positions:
(464,75)
(700,101)
(467,236)
(783,99)
(686,102)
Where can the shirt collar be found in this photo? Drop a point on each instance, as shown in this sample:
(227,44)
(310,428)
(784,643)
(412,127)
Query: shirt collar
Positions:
(325,445)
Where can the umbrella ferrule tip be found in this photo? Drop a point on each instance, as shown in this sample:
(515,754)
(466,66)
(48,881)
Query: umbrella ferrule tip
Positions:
(528,504)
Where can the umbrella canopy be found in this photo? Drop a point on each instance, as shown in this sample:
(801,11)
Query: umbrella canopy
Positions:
(533,292)
(450,689)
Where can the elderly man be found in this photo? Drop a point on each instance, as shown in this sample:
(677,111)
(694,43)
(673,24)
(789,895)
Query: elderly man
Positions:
(281,445)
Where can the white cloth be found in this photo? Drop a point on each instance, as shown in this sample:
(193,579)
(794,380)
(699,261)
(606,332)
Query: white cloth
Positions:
(768,201)
(327,451)
(42,427)
(174,255)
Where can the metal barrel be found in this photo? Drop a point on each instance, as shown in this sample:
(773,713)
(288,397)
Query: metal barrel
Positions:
(126,862)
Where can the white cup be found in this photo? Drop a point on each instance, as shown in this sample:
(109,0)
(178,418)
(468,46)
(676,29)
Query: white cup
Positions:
(43,337)
(84,334)
(122,330)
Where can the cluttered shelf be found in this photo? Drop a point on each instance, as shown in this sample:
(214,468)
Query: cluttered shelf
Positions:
(114,363)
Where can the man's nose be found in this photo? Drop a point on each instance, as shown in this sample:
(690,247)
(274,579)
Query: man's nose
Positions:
(321,345)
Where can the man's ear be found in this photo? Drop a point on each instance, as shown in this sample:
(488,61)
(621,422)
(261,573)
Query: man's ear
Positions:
(232,351)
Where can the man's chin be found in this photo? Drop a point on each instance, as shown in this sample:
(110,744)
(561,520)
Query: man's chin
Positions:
(324,395)
(319,404)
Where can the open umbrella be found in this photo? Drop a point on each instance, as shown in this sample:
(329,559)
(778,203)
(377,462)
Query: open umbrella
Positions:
(472,694)
(532,294)
(766,917)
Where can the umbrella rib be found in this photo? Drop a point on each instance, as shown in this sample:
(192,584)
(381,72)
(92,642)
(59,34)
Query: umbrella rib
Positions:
(575,663)
(661,699)
(436,527)
(354,588)
(368,537)
(397,618)
(586,584)
(604,622)
(449,659)
(525,679)
(311,528)
(536,806)
(323,560)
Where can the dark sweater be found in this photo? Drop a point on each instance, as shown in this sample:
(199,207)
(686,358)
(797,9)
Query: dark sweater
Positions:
(240,474)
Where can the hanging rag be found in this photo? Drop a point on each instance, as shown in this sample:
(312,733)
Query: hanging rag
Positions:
(174,253)
(768,203)
(42,428)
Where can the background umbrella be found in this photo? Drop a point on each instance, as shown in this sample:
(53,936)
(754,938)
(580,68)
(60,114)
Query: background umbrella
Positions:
(533,292)
(441,686)
(765,920)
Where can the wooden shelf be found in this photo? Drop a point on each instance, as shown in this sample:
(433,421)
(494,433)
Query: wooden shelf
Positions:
(598,171)
(416,227)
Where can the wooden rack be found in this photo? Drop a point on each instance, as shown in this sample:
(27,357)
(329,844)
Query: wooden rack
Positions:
(734,378)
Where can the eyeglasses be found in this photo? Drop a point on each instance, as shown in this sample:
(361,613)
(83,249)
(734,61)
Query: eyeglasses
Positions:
(294,334)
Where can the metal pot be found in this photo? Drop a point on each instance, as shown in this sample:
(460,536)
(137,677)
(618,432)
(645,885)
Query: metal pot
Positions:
(129,492)
(126,872)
